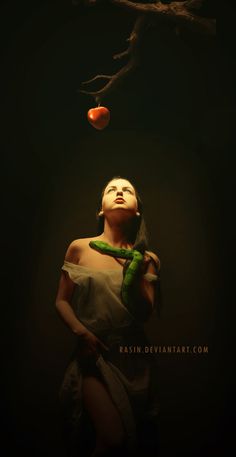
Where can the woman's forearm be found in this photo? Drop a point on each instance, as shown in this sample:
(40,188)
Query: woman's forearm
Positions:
(67,314)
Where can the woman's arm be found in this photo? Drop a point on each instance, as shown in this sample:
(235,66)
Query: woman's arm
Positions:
(90,344)
(65,292)
(63,306)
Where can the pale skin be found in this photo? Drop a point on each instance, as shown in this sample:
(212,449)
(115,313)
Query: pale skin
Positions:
(117,215)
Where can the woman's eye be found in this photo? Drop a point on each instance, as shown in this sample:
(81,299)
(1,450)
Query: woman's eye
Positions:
(110,190)
(128,190)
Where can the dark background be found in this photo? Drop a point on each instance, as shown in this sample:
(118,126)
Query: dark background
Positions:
(171,133)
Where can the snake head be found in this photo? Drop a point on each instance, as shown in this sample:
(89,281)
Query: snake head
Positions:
(105,248)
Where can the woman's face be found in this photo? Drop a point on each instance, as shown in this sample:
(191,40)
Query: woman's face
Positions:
(119,194)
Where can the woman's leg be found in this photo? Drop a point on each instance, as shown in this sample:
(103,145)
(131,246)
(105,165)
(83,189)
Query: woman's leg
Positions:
(104,415)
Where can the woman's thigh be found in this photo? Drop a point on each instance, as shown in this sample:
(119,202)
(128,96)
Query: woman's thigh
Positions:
(101,409)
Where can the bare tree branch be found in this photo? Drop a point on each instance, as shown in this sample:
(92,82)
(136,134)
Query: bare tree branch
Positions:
(132,50)
(181,14)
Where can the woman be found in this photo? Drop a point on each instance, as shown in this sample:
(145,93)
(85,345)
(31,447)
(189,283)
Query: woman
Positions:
(110,380)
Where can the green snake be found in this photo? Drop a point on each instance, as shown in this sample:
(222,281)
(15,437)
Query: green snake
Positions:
(131,254)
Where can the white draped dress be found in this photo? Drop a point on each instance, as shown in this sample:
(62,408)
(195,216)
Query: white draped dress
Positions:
(129,373)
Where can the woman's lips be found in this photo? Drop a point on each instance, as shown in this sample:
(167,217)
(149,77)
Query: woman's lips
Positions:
(119,200)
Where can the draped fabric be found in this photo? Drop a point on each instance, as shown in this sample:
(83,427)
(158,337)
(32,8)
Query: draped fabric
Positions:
(129,374)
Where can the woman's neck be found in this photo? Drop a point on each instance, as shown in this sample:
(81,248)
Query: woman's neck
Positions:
(115,235)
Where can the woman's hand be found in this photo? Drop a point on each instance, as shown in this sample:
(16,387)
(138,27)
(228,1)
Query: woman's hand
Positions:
(90,345)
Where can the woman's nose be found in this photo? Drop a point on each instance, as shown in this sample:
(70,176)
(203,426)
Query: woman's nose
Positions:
(119,192)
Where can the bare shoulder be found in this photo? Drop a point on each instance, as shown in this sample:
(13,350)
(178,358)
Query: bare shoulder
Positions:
(75,249)
(155,258)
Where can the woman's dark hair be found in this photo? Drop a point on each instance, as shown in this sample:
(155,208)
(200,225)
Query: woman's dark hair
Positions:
(137,234)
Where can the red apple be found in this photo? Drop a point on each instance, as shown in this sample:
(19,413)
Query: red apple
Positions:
(99,117)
